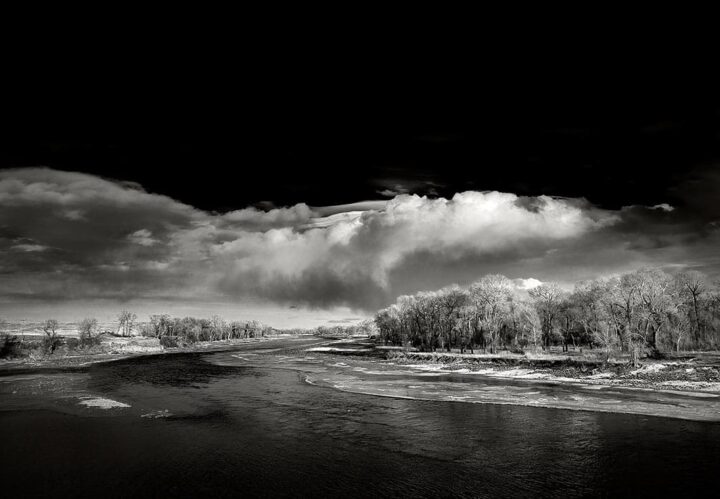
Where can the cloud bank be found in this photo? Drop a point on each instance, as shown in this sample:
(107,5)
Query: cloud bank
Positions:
(69,236)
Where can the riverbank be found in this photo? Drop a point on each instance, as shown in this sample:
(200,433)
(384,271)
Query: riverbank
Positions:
(684,387)
(118,348)
(693,372)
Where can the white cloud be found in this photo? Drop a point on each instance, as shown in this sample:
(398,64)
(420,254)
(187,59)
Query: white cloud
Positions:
(529,283)
(663,207)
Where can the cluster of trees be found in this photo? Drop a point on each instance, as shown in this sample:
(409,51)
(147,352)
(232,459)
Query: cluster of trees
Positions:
(190,329)
(169,330)
(12,346)
(363,328)
(647,310)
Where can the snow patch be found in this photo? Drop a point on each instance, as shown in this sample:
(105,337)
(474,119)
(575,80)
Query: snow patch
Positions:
(103,403)
(649,368)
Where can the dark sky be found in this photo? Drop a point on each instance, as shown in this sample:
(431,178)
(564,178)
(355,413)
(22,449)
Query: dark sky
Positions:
(284,126)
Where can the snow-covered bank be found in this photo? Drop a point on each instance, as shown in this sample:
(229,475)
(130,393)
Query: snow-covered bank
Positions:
(694,373)
(527,392)
(685,388)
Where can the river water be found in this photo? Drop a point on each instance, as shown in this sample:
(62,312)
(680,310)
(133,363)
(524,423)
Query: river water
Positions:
(271,419)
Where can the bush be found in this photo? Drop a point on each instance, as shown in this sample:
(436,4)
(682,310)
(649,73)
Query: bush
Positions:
(168,342)
(88,335)
(89,341)
(9,346)
(51,343)
(72,343)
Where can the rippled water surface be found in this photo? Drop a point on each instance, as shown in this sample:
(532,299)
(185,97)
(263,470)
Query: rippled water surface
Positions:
(274,420)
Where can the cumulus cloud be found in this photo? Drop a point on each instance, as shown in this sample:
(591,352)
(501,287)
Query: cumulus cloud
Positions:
(253,218)
(74,235)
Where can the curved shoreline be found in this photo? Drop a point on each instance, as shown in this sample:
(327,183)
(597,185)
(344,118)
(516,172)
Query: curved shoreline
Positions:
(689,406)
(544,406)
(81,362)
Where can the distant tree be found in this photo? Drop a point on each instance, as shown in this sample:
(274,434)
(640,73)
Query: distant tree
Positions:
(126,321)
(161,325)
(236,329)
(388,325)
(218,328)
(52,340)
(87,332)
(9,345)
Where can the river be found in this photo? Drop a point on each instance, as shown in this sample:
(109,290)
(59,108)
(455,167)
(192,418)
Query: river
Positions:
(264,420)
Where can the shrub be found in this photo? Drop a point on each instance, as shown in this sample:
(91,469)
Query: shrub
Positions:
(51,343)
(9,346)
(168,342)
(88,333)
(72,343)
(89,341)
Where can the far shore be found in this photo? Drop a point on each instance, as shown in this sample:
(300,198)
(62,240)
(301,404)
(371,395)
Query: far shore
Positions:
(134,346)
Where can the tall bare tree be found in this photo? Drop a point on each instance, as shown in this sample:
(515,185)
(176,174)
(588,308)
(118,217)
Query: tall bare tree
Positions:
(547,299)
(87,331)
(492,296)
(691,289)
(52,340)
(126,322)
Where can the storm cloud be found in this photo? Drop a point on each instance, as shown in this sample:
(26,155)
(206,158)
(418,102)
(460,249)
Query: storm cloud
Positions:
(69,235)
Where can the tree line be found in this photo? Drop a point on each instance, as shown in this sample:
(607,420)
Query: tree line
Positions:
(170,331)
(363,328)
(646,311)
(191,329)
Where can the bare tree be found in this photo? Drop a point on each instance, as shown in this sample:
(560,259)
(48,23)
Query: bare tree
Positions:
(126,321)
(492,296)
(547,299)
(52,339)
(218,328)
(691,288)
(656,292)
(448,303)
(161,325)
(589,300)
(87,331)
